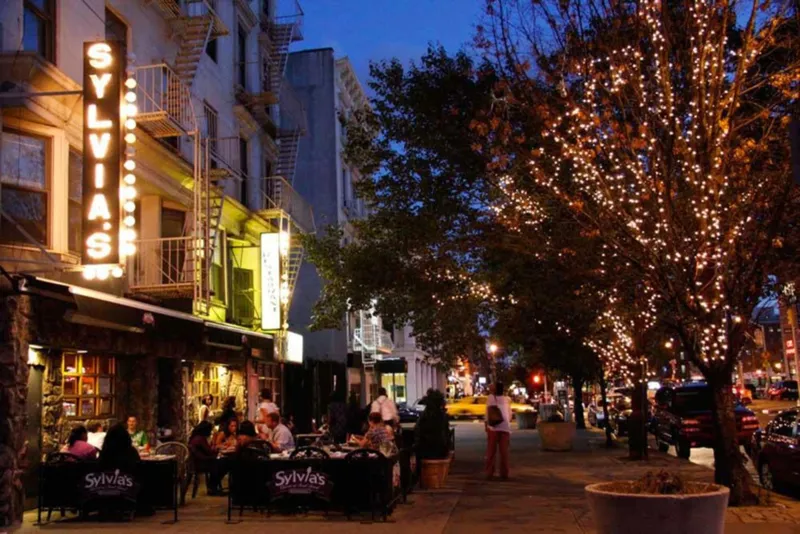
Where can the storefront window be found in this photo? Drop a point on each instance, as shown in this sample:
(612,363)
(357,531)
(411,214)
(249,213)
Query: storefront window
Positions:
(395,384)
(206,380)
(269,376)
(88,385)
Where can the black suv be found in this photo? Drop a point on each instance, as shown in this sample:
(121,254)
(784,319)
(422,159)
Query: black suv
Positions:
(683,418)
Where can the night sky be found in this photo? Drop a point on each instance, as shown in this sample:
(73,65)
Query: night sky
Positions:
(366,30)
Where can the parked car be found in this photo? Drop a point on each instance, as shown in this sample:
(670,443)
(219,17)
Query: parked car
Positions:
(595,413)
(683,418)
(406,414)
(778,456)
(475,407)
(618,414)
(419,405)
(783,390)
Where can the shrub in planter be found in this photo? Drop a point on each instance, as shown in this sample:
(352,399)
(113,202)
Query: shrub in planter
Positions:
(660,503)
(555,433)
(432,442)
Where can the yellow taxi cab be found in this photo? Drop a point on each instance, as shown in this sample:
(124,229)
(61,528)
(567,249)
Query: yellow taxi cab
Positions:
(475,407)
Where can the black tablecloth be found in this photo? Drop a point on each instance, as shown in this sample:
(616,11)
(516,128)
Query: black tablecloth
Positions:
(61,484)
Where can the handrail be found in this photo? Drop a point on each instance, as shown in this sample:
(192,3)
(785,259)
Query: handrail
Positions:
(159,89)
(280,195)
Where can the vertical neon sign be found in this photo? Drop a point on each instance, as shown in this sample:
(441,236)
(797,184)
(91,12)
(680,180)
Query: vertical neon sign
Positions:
(107,202)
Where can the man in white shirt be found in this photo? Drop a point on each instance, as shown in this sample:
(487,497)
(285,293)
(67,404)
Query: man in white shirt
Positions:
(281,437)
(386,407)
(265,407)
(96,436)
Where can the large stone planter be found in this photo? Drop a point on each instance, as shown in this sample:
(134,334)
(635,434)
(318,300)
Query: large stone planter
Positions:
(556,436)
(433,473)
(625,513)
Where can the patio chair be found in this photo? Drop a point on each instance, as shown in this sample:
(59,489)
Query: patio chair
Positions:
(181,453)
(367,474)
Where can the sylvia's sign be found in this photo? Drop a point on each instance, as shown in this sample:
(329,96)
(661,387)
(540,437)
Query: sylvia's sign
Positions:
(109,484)
(301,482)
(102,141)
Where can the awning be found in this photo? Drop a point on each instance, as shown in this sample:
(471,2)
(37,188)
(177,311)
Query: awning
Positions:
(236,338)
(395,365)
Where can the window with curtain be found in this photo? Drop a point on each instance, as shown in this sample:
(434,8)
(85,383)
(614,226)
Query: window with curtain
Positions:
(23,189)
(87,382)
(75,201)
(38,28)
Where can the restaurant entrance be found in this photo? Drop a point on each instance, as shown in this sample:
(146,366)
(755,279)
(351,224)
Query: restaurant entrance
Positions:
(33,434)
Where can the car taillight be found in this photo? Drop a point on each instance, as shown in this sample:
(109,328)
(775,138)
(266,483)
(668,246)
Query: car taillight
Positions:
(690,422)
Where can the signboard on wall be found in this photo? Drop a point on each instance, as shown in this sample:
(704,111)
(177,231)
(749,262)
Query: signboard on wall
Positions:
(270,282)
(294,348)
(102,141)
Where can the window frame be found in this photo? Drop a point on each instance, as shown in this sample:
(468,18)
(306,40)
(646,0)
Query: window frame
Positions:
(79,374)
(49,18)
(46,191)
(206,374)
(71,202)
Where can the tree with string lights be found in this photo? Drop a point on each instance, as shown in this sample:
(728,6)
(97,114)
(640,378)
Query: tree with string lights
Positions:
(666,134)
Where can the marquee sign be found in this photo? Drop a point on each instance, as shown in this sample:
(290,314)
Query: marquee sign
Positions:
(108,205)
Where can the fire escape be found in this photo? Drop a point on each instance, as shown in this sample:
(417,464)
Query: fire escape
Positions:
(180,267)
(194,23)
(370,338)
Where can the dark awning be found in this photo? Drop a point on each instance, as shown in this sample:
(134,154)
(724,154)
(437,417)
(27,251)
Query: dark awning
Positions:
(394,365)
(236,338)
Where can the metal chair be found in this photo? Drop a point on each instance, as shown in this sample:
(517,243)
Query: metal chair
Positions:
(367,474)
(181,453)
(309,453)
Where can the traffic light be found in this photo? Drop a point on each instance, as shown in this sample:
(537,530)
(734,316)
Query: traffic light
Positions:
(537,379)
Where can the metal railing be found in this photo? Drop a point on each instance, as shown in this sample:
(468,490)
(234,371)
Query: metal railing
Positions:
(161,262)
(225,152)
(199,8)
(291,14)
(373,339)
(280,195)
(160,95)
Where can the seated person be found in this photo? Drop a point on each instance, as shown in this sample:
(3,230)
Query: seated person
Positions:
(118,451)
(281,438)
(96,435)
(138,437)
(377,435)
(204,457)
(247,434)
(225,439)
(77,445)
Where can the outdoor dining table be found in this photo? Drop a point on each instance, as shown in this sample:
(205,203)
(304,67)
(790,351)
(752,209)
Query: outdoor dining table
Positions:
(280,482)
(70,485)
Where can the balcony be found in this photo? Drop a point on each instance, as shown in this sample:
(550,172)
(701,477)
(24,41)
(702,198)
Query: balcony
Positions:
(373,340)
(224,154)
(163,267)
(280,200)
(164,102)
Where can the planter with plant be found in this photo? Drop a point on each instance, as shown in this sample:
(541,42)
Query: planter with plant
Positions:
(432,442)
(659,503)
(556,434)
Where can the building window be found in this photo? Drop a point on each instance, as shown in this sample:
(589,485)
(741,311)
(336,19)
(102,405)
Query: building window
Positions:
(23,189)
(206,381)
(241,52)
(88,385)
(75,201)
(269,377)
(38,32)
(211,50)
(212,125)
(244,309)
(117,30)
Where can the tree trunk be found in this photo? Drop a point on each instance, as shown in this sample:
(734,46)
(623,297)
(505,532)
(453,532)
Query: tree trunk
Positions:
(577,385)
(729,462)
(609,442)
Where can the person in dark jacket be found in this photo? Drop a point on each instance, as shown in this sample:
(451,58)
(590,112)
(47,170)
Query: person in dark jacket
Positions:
(118,451)
(204,457)
(355,417)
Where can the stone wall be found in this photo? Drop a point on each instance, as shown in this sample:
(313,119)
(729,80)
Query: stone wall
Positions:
(137,391)
(15,314)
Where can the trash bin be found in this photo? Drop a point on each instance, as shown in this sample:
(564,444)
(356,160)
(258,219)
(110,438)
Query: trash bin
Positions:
(526,420)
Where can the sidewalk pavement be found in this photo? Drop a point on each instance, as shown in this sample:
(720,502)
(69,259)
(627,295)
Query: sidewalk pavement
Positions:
(544,494)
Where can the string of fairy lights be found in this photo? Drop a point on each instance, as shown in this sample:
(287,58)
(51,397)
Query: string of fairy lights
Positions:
(621,166)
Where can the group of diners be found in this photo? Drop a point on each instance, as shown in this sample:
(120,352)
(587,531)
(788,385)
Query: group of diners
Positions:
(211,451)
(118,448)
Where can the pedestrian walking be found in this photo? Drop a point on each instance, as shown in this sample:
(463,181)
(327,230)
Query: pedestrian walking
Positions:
(498,430)
(386,407)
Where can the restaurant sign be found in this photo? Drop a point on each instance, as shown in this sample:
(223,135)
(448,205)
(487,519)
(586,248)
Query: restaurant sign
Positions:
(108,199)
(270,281)
(306,481)
(109,485)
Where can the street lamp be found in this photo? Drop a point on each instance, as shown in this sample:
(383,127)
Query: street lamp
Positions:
(492,348)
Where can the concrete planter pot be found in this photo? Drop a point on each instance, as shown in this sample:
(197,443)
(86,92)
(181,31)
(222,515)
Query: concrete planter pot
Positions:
(434,473)
(556,436)
(616,512)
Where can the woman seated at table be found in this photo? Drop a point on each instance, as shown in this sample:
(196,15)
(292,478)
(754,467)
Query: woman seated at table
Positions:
(247,435)
(204,457)
(377,434)
(226,437)
(118,451)
(78,446)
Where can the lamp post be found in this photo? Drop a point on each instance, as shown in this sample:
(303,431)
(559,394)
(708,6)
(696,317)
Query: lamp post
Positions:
(493,361)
